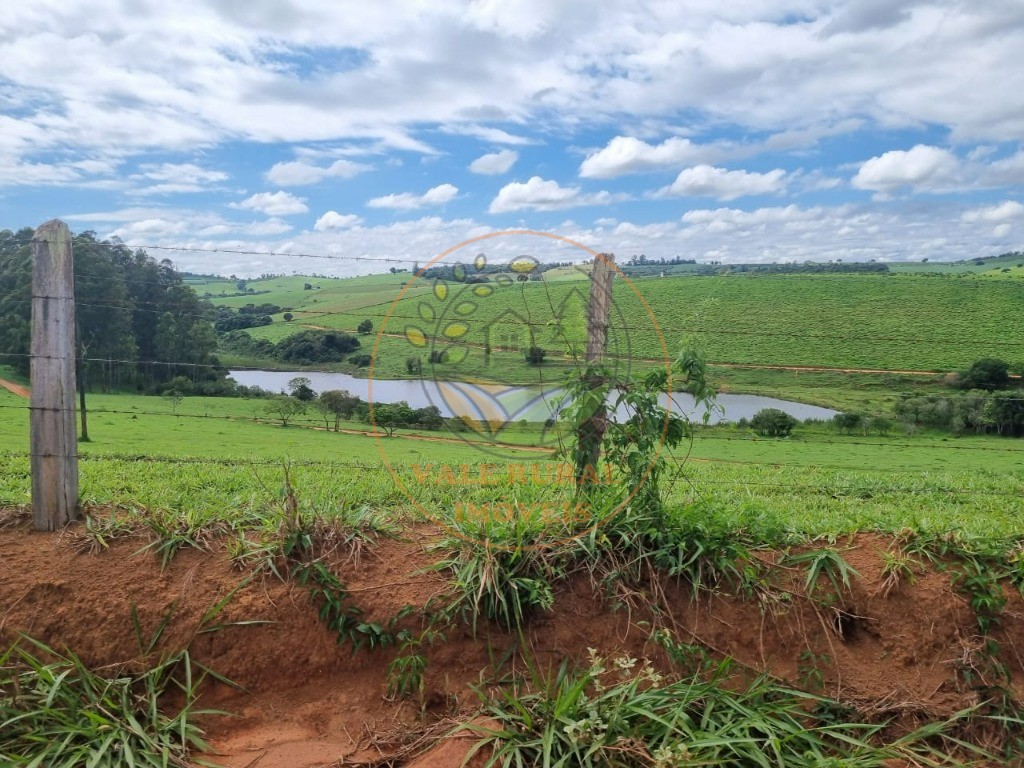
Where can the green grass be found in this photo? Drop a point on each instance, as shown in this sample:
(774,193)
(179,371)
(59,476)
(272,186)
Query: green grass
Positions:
(968,267)
(817,482)
(55,711)
(222,428)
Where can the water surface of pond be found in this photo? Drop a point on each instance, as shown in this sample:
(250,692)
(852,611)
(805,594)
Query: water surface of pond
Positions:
(503,403)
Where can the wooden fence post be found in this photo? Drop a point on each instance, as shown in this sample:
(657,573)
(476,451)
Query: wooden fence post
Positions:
(600,306)
(53,439)
(590,432)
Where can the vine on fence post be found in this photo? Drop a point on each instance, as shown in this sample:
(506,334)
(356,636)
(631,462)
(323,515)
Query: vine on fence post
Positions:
(634,444)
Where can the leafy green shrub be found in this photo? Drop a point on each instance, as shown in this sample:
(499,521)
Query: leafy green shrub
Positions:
(311,347)
(771,422)
(988,373)
(847,422)
(536,355)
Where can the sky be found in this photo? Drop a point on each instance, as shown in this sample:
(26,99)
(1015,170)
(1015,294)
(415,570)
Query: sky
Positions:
(739,131)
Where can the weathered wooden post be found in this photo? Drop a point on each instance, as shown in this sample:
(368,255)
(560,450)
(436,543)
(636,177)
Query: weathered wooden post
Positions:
(590,432)
(600,306)
(54,442)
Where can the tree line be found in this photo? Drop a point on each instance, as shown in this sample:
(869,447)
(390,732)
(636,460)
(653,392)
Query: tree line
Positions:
(137,320)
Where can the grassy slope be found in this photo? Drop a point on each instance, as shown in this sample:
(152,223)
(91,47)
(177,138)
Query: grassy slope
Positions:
(916,322)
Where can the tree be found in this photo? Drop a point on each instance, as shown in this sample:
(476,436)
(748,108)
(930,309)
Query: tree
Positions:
(340,403)
(284,408)
(287,317)
(1005,411)
(300,388)
(141,323)
(365,327)
(988,373)
(173,398)
(428,417)
(881,425)
(414,365)
(535,356)
(847,422)
(390,416)
(771,422)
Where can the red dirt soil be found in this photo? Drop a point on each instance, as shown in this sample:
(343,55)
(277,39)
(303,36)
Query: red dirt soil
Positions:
(17,389)
(309,702)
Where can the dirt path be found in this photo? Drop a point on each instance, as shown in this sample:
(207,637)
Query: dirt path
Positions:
(17,389)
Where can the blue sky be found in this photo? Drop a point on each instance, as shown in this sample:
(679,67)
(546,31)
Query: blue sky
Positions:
(754,130)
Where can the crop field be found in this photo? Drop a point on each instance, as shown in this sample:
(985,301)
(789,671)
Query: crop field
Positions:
(894,322)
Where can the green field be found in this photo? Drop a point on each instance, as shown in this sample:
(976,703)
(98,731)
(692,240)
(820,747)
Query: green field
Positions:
(848,321)
(813,483)
(220,457)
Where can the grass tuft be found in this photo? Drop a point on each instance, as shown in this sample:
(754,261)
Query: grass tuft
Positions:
(56,712)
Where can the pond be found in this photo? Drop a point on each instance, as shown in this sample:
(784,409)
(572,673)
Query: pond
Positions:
(502,403)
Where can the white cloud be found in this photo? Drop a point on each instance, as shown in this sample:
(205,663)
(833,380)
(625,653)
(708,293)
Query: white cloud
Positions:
(539,194)
(182,173)
(708,181)
(625,154)
(494,163)
(270,227)
(899,231)
(298,173)
(922,168)
(139,81)
(177,178)
(1004,212)
(274,204)
(438,195)
(334,220)
(489,134)
(149,228)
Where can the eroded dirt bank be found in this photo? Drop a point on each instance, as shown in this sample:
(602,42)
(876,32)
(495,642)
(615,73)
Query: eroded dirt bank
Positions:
(305,700)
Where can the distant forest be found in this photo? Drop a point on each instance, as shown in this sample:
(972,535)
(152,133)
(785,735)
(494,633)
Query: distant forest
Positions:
(139,324)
